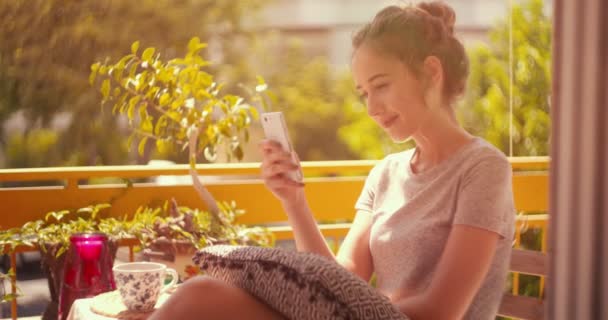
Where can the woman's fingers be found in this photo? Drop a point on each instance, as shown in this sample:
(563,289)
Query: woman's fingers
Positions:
(270,146)
(272,169)
(276,157)
(276,163)
(279,182)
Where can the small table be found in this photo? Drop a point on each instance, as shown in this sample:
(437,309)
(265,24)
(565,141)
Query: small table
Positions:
(110,304)
(81,309)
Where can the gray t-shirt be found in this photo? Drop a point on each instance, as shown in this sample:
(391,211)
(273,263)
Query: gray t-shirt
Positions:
(413,214)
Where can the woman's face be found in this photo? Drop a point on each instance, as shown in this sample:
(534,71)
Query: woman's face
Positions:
(393,95)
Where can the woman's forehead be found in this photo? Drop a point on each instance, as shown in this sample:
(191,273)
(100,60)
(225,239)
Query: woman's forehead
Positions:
(367,62)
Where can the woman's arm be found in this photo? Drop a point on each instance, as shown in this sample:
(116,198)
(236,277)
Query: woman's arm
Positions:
(354,254)
(306,232)
(462,268)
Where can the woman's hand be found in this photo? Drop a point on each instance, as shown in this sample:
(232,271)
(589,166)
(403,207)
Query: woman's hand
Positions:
(276,163)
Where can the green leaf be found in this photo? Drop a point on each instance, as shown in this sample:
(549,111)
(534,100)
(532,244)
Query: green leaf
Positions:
(129,142)
(131,112)
(194,41)
(134,47)
(246,135)
(163,146)
(105,88)
(238,152)
(254,113)
(195,45)
(164,99)
(146,125)
(142,146)
(93,75)
(132,71)
(60,251)
(161,123)
(148,53)
(121,102)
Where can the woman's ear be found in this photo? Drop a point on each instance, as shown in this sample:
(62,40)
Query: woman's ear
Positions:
(432,81)
(433,72)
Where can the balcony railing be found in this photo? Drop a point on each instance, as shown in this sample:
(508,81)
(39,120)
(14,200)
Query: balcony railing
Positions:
(332,189)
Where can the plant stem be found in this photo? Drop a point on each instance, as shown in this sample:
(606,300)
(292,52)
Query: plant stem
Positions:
(205,195)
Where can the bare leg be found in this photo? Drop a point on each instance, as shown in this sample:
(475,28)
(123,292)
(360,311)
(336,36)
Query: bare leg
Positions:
(211,299)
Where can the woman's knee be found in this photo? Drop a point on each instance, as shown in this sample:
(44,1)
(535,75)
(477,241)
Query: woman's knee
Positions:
(193,297)
(216,300)
(203,284)
(205,291)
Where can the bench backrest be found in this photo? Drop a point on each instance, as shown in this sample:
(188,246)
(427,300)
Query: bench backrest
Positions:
(522,307)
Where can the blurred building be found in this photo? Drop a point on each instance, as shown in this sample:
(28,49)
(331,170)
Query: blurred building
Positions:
(326,26)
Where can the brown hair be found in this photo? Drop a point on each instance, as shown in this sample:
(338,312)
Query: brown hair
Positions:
(413,33)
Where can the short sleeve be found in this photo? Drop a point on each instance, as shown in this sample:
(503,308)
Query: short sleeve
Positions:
(485,197)
(366,198)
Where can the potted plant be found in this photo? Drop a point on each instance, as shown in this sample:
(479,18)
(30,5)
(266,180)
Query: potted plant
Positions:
(170,230)
(171,234)
(51,236)
(179,105)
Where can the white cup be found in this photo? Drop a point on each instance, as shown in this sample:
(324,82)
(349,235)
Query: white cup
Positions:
(141,283)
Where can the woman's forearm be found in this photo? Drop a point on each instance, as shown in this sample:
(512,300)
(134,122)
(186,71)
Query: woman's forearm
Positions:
(306,232)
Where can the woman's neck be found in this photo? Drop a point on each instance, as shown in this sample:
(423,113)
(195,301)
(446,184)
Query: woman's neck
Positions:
(436,141)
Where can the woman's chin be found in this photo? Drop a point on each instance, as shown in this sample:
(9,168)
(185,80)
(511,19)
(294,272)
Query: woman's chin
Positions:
(399,137)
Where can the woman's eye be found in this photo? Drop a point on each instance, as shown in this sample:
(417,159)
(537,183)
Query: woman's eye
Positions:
(381,86)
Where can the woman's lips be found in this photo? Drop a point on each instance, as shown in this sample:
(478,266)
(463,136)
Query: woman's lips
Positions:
(388,122)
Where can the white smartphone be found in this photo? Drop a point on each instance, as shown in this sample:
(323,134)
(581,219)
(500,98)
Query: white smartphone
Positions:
(275,129)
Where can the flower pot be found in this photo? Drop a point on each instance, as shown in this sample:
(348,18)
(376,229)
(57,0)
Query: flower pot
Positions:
(176,254)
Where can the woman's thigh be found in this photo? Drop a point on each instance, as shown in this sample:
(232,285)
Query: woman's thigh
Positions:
(208,298)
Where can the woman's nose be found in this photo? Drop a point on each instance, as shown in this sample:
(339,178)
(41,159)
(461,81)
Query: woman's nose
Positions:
(374,105)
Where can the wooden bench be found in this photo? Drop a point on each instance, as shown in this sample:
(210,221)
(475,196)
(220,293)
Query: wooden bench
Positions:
(521,307)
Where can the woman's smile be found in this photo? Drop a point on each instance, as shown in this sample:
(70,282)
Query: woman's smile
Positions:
(388,122)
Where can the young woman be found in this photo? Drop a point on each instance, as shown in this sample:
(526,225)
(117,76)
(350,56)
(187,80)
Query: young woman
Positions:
(434,223)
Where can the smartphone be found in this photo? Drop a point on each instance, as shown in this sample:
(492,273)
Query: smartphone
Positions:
(275,129)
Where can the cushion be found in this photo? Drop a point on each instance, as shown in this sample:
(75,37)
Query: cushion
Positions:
(298,285)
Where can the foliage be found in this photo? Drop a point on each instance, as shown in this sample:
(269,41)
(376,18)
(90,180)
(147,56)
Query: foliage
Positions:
(48,45)
(147,224)
(6,297)
(178,104)
(58,226)
(312,97)
(174,100)
(485,109)
(200,228)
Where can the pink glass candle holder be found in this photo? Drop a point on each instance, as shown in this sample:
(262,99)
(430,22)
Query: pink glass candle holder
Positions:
(87,270)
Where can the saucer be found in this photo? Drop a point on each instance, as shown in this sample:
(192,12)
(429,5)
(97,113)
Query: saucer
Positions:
(109,304)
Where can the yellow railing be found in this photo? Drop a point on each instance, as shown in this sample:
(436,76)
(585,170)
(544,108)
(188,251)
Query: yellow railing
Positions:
(332,189)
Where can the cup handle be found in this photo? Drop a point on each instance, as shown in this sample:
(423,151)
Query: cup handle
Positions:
(174,278)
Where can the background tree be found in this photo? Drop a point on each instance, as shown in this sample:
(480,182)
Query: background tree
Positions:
(484,110)
(48,46)
(313,98)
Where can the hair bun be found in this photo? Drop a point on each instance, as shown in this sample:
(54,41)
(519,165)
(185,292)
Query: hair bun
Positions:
(441,11)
